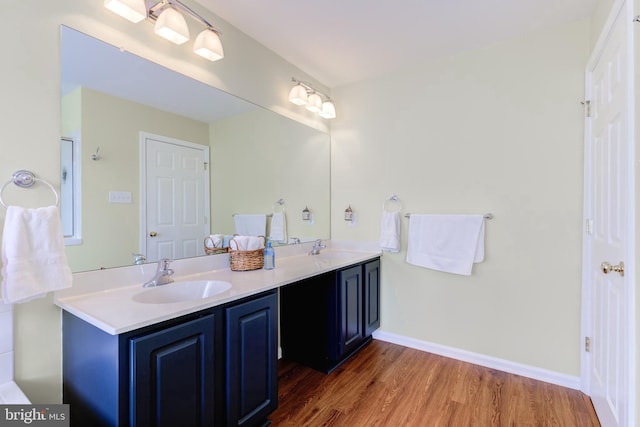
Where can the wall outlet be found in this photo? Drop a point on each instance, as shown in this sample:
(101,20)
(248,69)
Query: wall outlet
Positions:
(119,196)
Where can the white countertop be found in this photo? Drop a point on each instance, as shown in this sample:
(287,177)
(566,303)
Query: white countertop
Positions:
(107,298)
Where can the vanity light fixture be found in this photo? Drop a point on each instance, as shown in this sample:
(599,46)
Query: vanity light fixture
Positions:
(314,103)
(298,95)
(304,94)
(132,10)
(170,23)
(328,110)
(172,26)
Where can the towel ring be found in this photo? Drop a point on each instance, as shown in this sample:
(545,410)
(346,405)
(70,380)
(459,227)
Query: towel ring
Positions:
(392,202)
(280,203)
(26,179)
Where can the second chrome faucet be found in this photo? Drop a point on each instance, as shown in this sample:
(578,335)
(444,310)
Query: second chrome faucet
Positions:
(316,247)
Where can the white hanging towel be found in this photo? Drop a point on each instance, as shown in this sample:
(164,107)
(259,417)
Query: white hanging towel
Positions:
(33,257)
(278,228)
(390,231)
(449,243)
(251,225)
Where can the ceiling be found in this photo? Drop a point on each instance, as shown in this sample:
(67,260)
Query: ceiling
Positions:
(344,41)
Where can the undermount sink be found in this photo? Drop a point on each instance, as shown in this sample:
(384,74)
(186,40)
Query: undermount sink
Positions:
(182,291)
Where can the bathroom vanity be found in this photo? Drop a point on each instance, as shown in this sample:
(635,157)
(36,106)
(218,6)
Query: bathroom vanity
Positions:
(136,356)
(327,318)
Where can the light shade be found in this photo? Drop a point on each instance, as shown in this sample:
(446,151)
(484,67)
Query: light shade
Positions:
(328,110)
(132,10)
(298,95)
(314,103)
(208,45)
(172,26)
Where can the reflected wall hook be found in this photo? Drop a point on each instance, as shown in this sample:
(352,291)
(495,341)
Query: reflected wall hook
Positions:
(96,156)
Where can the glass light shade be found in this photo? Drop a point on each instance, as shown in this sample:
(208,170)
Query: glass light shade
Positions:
(298,95)
(328,110)
(314,103)
(172,26)
(208,45)
(132,10)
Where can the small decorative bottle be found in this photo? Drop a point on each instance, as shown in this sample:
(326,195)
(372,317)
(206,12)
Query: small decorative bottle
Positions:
(269,257)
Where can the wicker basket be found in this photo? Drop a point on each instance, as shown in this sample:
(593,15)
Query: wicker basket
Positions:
(211,249)
(246,260)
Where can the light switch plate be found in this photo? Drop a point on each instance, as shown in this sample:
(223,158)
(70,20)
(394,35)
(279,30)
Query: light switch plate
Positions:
(119,197)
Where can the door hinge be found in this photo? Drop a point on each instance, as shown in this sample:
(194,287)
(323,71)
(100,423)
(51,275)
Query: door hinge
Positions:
(587,108)
(587,344)
(206,164)
(588,226)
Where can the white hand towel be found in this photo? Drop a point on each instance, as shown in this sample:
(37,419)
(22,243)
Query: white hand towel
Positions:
(450,243)
(33,257)
(246,243)
(390,231)
(250,225)
(278,227)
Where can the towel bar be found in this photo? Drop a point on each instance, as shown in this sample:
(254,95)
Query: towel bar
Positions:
(486,216)
(26,179)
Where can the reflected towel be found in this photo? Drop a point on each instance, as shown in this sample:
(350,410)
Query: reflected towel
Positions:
(250,225)
(33,257)
(390,231)
(214,241)
(278,228)
(449,243)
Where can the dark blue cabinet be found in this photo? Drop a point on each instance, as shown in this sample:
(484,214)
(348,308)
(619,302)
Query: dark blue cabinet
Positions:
(252,361)
(371,296)
(176,373)
(350,305)
(327,318)
(172,375)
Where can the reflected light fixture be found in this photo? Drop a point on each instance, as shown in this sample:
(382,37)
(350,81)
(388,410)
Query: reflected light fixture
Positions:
(304,94)
(170,23)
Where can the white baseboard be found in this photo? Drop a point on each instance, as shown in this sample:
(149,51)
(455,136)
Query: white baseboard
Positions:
(539,374)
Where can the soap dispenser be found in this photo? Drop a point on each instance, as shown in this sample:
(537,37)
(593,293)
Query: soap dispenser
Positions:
(269,257)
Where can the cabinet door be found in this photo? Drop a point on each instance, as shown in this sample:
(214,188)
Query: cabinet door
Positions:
(252,357)
(172,376)
(371,297)
(350,306)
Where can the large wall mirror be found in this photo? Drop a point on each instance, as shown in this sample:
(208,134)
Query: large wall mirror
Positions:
(115,106)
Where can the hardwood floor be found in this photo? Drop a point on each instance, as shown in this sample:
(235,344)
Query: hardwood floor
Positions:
(390,385)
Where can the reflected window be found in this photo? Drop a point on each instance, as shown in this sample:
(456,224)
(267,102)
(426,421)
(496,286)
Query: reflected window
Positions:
(70,190)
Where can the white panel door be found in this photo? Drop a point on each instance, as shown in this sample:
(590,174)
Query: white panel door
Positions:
(176,198)
(609,200)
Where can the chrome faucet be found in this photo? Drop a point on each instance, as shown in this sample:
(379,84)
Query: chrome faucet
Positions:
(163,274)
(316,247)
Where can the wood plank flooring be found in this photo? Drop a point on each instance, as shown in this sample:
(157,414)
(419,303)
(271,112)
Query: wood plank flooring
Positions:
(390,385)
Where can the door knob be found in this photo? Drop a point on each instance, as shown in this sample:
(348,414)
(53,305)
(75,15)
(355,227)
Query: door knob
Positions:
(153,234)
(607,267)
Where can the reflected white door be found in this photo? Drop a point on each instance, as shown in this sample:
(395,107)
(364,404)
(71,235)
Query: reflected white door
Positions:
(608,243)
(177,198)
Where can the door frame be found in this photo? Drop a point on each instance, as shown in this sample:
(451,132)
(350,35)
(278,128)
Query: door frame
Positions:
(624,8)
(143,181)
